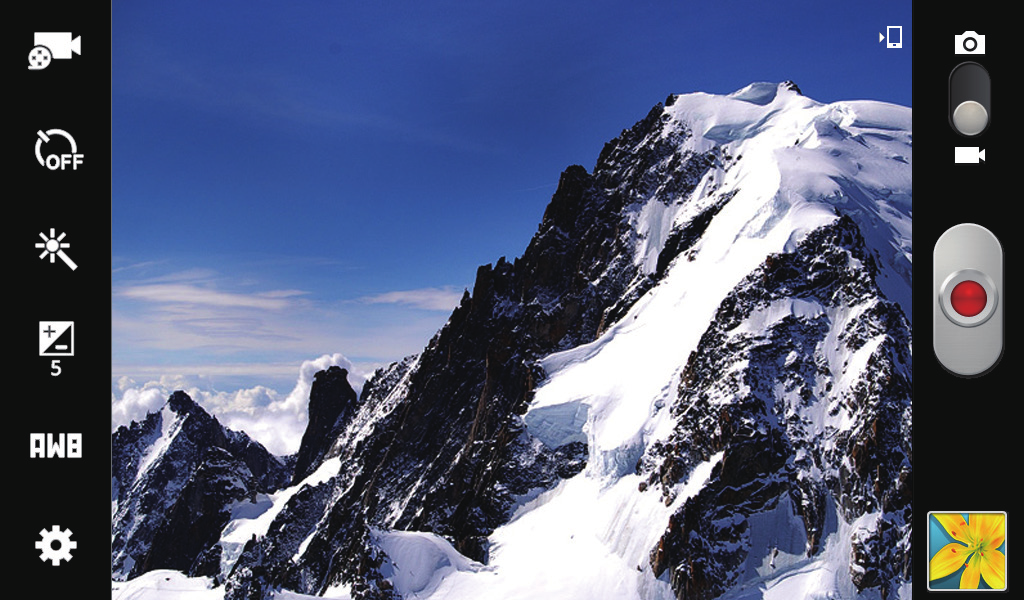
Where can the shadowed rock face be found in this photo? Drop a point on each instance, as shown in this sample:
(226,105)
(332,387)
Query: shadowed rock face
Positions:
(756,416)
(332,401)
(175,477)
(447,434)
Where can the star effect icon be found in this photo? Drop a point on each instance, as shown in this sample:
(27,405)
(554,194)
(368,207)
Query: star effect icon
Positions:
(54,246)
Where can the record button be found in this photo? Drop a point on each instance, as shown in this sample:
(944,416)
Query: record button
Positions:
(967,311)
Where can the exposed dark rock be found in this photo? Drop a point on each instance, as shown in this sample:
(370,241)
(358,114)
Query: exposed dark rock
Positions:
(756,416)
(332,401)
(174,484)
(451,444)
(193,523)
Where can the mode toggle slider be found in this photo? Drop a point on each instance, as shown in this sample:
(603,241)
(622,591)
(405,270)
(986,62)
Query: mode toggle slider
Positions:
(970,99)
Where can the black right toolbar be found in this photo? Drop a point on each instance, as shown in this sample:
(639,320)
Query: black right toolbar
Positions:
(964,391)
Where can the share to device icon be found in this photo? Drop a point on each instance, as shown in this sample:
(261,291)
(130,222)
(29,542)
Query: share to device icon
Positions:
(893,36)
(54,246)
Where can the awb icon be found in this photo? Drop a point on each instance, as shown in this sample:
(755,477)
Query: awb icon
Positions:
(61,445)
(55,159)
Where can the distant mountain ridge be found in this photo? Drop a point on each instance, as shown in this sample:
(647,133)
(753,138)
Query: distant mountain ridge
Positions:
(174,477)
(694,383)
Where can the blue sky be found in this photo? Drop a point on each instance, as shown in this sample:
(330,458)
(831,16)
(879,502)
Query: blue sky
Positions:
(293,180)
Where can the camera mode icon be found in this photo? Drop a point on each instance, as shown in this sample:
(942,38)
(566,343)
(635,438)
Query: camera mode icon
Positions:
(969,42)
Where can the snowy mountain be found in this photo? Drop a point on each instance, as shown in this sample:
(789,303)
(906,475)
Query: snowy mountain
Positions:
(695,383)
(174,480)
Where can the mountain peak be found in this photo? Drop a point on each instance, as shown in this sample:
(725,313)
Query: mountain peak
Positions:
(331,401)
(763,93)
(174,483)
(333,371)
(182,404)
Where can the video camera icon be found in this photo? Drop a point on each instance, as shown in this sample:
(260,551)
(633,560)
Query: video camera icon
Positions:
(50,46)
(969,155)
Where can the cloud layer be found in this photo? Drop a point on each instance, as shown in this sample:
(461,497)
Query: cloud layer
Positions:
(277,421)
(440,299)
(248,329)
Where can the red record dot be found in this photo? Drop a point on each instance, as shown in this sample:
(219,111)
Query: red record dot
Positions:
(968,298)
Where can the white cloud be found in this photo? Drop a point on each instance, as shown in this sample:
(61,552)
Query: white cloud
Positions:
(242,332)
(440,299)
(167,293)
(135,401)
(277,421)
(197,312)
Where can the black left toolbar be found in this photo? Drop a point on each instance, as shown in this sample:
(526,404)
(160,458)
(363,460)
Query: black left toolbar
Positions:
(58,59)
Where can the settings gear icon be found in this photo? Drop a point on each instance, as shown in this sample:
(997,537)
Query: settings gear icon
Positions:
(55,545)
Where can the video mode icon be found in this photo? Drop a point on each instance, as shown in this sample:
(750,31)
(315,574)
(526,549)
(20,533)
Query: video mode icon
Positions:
(52,45)
(968,155)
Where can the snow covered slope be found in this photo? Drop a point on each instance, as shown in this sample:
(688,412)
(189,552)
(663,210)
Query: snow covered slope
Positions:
(803,352)
(695,383)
